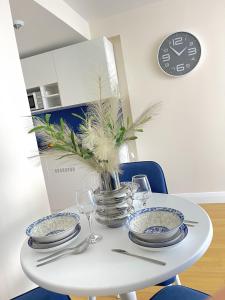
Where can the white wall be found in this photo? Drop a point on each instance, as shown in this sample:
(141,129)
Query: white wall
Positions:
(22,190)
(188,135)
(124,94)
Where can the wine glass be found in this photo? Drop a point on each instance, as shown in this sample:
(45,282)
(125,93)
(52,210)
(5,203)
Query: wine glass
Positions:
(143,191)
(85,203)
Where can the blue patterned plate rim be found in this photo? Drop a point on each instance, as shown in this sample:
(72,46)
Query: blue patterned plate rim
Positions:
(183,233)
(49,217)
(152,209)
(172,238)
(55,244)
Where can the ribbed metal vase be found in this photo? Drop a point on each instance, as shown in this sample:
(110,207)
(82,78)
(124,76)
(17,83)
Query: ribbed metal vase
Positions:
(113,200)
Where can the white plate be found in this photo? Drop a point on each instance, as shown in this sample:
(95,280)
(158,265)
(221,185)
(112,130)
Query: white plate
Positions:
(59,247)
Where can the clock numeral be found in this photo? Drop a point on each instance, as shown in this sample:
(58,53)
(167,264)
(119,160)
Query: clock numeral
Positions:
(167,65)
(192,51)
(180,68)
(165,50)
(191,44)
(178,41)
(165,57)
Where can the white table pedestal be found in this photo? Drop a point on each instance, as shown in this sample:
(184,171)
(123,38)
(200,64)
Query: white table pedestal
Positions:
(128,296)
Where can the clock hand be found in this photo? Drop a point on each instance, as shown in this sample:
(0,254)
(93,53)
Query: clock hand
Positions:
(177,53)
(182,51)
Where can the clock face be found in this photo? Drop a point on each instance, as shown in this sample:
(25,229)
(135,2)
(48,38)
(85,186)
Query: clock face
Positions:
(179,53)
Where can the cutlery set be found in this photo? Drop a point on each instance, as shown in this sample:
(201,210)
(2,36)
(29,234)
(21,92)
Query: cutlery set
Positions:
(80,248)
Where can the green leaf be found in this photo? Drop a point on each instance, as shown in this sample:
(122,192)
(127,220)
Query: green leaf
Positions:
(131,138)
(120,135)
(86,156)
(58,135)
(66,155)
(59,147)
(78,116)
(110,126)
(73,140)
(62,124)
(37,128)
(79,149)
(82,127)
(47,118)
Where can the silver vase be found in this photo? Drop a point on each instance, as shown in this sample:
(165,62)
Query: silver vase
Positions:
(109,181)
(113,200)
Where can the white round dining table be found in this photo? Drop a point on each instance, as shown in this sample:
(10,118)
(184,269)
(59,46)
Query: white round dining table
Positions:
(99,271)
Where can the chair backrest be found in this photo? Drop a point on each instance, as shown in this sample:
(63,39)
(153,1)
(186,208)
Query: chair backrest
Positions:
(151,169)
(41,294)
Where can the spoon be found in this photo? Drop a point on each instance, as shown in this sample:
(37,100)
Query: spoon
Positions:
(75,251)
(64,250)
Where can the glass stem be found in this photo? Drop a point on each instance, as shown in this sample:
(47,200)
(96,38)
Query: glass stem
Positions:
(90,223)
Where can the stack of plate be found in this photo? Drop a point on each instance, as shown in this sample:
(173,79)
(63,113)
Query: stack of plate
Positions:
(157,228)
(53,232)
(114,207)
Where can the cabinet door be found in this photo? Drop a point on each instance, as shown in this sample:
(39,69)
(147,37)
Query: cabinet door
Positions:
(79,67)
(39,70)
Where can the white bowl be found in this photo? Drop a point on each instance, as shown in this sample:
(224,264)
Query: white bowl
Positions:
(156,223)
(53,227)
(41,246)
(148,246)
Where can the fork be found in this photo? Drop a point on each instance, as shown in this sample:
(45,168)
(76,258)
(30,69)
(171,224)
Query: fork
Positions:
(74,251)
(189,225)
(69,249)
(191,222)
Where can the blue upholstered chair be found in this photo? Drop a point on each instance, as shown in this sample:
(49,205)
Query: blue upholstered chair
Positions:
(41,294)
(179,292)
(151,169)
(157,182)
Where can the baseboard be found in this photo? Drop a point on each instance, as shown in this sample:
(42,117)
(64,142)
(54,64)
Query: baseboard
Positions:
(206,197)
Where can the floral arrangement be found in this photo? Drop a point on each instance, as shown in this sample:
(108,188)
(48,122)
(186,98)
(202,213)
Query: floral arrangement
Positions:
(101,133)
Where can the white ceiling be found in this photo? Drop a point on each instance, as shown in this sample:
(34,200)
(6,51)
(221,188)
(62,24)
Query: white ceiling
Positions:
(98,9)
(42,31)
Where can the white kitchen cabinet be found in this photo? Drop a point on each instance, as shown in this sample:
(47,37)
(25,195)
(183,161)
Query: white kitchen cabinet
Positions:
(39,70)
(50,95)
(78,68)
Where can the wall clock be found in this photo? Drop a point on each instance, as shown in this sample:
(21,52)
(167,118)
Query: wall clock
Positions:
(179,53)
